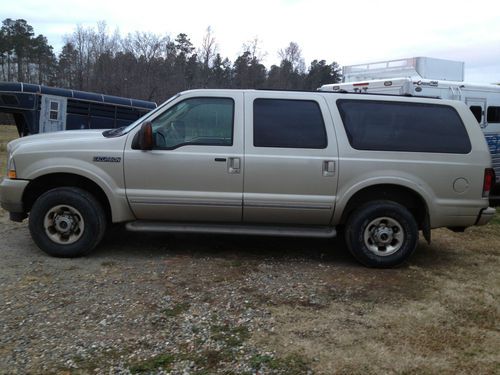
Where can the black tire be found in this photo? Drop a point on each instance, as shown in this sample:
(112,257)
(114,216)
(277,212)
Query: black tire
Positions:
(381,234)
(54,210)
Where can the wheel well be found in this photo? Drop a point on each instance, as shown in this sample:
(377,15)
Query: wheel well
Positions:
(399,194)
(45,183)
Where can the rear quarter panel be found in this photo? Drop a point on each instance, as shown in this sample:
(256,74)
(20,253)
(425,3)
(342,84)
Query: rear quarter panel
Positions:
(431,175)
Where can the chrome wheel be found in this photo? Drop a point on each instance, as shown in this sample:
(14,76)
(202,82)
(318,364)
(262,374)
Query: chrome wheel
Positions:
(384,236)
(64,224)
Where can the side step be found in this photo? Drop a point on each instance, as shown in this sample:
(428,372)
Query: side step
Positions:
(257,230)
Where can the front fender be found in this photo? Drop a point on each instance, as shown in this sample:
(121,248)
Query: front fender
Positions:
(108,177)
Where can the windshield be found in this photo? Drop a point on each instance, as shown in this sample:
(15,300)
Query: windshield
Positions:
(116,132)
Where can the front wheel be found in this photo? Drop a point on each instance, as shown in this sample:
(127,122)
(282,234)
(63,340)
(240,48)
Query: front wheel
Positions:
(381,234)
(67,222)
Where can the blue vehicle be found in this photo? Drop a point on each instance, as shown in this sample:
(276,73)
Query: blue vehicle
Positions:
(42,109)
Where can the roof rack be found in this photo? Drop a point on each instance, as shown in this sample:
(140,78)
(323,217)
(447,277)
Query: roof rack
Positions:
(351,92)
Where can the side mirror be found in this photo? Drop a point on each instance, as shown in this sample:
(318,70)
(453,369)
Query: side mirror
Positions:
(144,138)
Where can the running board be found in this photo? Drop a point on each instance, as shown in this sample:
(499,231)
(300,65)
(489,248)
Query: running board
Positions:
(253,230)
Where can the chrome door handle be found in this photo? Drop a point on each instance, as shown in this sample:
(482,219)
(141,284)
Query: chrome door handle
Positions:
(328,168)
(234,165)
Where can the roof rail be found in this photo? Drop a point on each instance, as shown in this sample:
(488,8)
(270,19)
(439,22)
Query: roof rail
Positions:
(342,91)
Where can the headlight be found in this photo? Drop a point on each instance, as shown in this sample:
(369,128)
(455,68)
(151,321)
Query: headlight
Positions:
(11,168)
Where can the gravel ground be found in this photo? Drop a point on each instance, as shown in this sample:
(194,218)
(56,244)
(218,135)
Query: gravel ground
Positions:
(138,297)
(243,305)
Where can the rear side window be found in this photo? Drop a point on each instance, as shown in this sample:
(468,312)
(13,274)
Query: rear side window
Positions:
(397,126)
(288,124)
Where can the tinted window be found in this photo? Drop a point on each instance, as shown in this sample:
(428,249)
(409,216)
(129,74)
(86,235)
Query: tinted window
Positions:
(396,126)
(288,123)
(196,121)
(493,114)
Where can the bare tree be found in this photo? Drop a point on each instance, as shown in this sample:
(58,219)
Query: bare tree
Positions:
(208,48)
(149,49)
(81,41)
(102,42)
(254,49)
(293,54)
(145,45)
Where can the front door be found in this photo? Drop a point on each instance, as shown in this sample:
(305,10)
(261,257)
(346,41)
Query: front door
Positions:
(291,159)
(195,171)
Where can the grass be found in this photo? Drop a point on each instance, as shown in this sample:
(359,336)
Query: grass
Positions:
(206,360)
(496,219)
(439,314)
(232,337)
(162,361)
(291,364)
(176,310)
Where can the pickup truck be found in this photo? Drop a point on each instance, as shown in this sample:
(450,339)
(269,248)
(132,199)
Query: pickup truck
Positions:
(378,169)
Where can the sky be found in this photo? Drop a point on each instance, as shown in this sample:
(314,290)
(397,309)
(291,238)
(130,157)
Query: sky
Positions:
(348,32)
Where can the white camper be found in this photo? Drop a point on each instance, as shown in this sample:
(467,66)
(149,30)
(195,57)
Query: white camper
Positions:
(424,76)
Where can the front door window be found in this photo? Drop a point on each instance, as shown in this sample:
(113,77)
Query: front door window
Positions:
(195,121)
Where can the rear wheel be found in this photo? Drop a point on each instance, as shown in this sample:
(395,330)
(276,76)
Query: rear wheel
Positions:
(67,222)
(381,234)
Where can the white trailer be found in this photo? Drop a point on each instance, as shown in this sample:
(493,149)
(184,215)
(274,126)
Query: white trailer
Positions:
(423,76)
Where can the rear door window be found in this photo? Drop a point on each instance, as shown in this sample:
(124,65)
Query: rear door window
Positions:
(288,124)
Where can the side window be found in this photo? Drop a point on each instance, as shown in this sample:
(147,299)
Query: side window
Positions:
(54,110)
(403,126)
(195,121)
(477,111)
(288,124)
(493,115)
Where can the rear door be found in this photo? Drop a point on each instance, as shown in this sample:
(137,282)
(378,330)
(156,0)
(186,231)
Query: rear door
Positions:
(291,159)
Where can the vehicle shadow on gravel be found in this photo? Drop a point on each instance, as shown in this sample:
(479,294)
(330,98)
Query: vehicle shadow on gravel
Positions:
(119,242)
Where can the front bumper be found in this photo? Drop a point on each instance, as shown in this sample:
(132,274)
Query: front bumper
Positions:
(485,215)
(11,195)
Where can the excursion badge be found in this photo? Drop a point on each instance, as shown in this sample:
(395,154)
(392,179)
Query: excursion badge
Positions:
(107,159)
